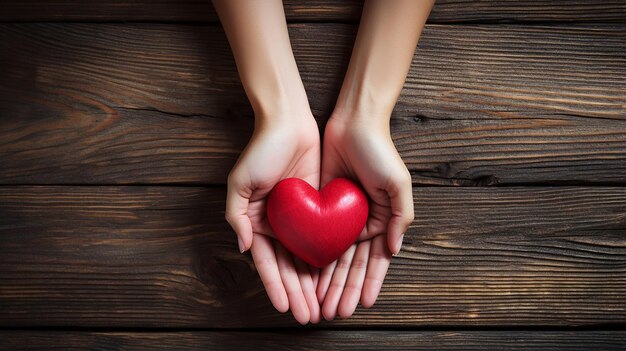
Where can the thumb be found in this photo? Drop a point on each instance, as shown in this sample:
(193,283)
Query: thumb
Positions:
(402,213)
(237,200)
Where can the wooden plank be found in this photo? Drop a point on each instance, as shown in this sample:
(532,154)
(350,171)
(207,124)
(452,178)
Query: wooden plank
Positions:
(164,257)
(121,104)
(445,11)
(316,340)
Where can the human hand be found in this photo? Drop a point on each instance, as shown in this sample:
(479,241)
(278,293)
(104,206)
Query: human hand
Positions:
(279,148)
(354,147)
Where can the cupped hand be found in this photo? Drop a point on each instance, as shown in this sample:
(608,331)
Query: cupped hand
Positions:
(356,148)
(278,149)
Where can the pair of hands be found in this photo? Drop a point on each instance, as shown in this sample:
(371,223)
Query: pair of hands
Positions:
(290,147)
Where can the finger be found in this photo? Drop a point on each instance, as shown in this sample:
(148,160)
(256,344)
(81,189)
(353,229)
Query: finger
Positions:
(352,291)
(308,289)
(237,200)
(331,302)
(402,213)
(291,282)
(315,276)
(379,259)
(265,262)
(324,281)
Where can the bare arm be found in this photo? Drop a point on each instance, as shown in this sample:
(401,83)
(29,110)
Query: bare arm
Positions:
(358,144)
(381,57)
(257,33)
(285,143)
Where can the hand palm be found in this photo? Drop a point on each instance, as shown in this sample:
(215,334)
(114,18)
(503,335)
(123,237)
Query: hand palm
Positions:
(272,155)
(339,162)
(368,155)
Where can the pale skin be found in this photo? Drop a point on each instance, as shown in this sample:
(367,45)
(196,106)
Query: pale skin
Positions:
(357,144)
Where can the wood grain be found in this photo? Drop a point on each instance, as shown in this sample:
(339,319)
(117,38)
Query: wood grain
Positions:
(164,257)
(445,11)
(145,103)
(309,340)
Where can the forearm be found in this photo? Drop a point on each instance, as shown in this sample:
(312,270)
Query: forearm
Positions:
(381,57)
(257,33)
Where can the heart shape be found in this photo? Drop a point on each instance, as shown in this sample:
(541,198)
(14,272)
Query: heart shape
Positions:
(317,226)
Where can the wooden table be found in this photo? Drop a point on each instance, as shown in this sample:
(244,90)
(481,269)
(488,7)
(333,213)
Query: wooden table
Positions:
(119,121)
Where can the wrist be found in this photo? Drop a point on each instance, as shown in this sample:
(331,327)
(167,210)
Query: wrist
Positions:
(281,106)
(374,109)
(361,118)
(364,106)
(293,121)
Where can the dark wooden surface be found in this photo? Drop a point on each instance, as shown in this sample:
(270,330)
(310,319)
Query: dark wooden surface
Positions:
(317,340)
(482,105)
(116,138)
(164,256)
(445,11)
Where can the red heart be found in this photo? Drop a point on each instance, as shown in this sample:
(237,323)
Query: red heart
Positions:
(317,227)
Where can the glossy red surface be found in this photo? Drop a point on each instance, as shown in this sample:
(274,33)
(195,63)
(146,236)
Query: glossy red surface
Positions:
(317,226)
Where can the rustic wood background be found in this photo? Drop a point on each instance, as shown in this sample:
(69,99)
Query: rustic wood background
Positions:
(119,121)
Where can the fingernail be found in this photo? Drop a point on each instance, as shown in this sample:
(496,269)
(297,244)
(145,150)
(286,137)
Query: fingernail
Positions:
(399,245)
(242,248)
